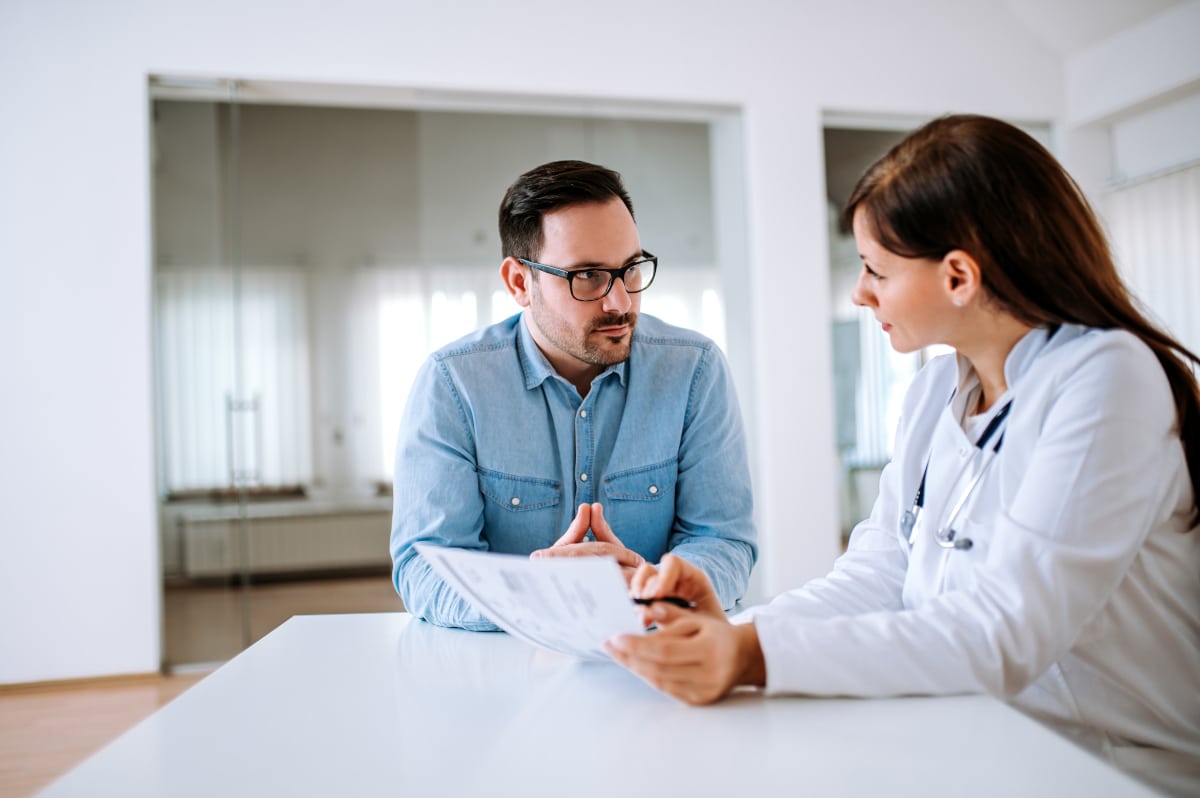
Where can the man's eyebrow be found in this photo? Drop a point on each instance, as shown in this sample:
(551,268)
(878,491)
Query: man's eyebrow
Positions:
(575,267)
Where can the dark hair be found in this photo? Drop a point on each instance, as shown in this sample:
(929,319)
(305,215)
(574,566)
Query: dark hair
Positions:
(546,188)
(988,188)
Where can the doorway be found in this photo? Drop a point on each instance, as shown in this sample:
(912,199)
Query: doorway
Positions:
(311,246)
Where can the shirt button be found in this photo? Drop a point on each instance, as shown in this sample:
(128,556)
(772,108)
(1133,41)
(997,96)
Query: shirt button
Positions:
(962,452)
(583,477)
(653,489)
(516,501)
(583,414)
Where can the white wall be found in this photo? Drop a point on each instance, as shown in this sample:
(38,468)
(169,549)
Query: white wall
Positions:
(1131,100)
(78,554)
(1155,60)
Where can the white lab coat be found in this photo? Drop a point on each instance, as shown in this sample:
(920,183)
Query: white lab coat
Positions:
(1080,600)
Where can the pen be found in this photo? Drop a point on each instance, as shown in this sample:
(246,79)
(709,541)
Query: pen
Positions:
(676,600)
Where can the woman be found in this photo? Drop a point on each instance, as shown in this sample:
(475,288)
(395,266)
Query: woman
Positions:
(1033,535)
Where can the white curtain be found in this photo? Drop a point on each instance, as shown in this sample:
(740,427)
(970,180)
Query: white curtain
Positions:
(884,376)
(688,296)
(1154,225)
(222,425)
(401,315)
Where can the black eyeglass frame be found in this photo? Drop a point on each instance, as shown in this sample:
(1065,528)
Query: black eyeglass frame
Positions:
(613,274)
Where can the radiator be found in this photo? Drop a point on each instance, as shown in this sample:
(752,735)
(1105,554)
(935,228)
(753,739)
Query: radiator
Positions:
(280,544)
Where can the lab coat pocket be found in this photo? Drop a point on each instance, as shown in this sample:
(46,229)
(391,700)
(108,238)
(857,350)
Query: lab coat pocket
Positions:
(518,494)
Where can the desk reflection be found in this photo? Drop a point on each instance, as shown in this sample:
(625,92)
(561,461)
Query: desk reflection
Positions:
(512,709)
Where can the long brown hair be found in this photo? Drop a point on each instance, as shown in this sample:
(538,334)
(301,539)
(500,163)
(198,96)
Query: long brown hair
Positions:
(986,187)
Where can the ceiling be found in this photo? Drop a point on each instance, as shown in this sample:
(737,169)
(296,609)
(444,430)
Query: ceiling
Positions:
(1066,26)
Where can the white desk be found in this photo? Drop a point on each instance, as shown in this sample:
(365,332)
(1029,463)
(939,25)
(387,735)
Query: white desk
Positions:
(365,705)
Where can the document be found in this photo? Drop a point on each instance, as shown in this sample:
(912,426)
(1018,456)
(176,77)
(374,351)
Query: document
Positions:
(566,604)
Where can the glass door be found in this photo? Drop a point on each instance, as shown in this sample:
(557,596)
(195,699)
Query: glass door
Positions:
(208,422)
(307,259)
(265,511)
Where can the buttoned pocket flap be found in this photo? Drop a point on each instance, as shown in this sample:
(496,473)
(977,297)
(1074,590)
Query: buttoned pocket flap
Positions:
(517,493)
(646,483)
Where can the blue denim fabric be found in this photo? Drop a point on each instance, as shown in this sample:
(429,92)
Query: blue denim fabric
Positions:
(496,451)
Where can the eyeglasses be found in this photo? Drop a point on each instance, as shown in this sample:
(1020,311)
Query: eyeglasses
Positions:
(588,285)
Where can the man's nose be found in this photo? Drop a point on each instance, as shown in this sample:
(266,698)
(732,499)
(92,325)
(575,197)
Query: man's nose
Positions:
(618,299)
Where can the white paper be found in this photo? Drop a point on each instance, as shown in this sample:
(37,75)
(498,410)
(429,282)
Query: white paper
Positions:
(566,604)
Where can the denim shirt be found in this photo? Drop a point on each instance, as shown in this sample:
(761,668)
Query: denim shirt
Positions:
(496,451)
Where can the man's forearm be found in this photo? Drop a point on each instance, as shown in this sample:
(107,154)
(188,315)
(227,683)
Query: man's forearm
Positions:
(427,596)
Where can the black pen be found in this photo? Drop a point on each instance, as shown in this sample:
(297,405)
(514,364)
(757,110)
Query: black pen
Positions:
(676,600)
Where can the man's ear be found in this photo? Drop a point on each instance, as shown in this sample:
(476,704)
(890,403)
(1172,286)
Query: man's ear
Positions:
(517,278)
(961,277)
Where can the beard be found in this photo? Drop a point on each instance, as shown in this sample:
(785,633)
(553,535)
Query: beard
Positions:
(586,345)
(615,349)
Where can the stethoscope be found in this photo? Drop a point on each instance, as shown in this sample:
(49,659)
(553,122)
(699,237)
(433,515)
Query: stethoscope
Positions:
(946,536)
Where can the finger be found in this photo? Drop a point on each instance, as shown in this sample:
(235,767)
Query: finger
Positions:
(654,581)
(693,686)
(600,528)
(617,647)
(648,615)
(663,614)
(578,528)
(624,557)
(678,577)
(567,550)
(639,585)
(695,683)
(670,572)
(672,647)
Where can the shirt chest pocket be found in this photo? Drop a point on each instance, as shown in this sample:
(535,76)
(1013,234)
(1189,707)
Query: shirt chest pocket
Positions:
(639,503)
(518,494)
(652,483)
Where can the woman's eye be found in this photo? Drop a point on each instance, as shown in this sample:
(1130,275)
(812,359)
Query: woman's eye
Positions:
(872,273)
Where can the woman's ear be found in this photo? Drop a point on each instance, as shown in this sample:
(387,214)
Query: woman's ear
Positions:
(961,277)
(516,277)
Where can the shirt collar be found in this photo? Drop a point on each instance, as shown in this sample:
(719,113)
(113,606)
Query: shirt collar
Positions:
(1019,360)
(537,368)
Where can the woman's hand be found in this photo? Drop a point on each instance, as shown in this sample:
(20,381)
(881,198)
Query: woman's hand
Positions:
(693,656)
(675,576)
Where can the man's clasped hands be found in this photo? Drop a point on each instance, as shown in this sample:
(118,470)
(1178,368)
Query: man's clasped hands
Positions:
(695,654)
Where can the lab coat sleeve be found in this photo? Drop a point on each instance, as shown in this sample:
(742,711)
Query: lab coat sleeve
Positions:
(869,576)
(1091,481)
(436,499)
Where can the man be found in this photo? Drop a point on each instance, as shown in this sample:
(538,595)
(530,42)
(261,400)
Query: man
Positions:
(576,414)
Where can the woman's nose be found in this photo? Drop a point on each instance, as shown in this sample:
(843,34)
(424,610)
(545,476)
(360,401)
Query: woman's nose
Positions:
(861,295)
